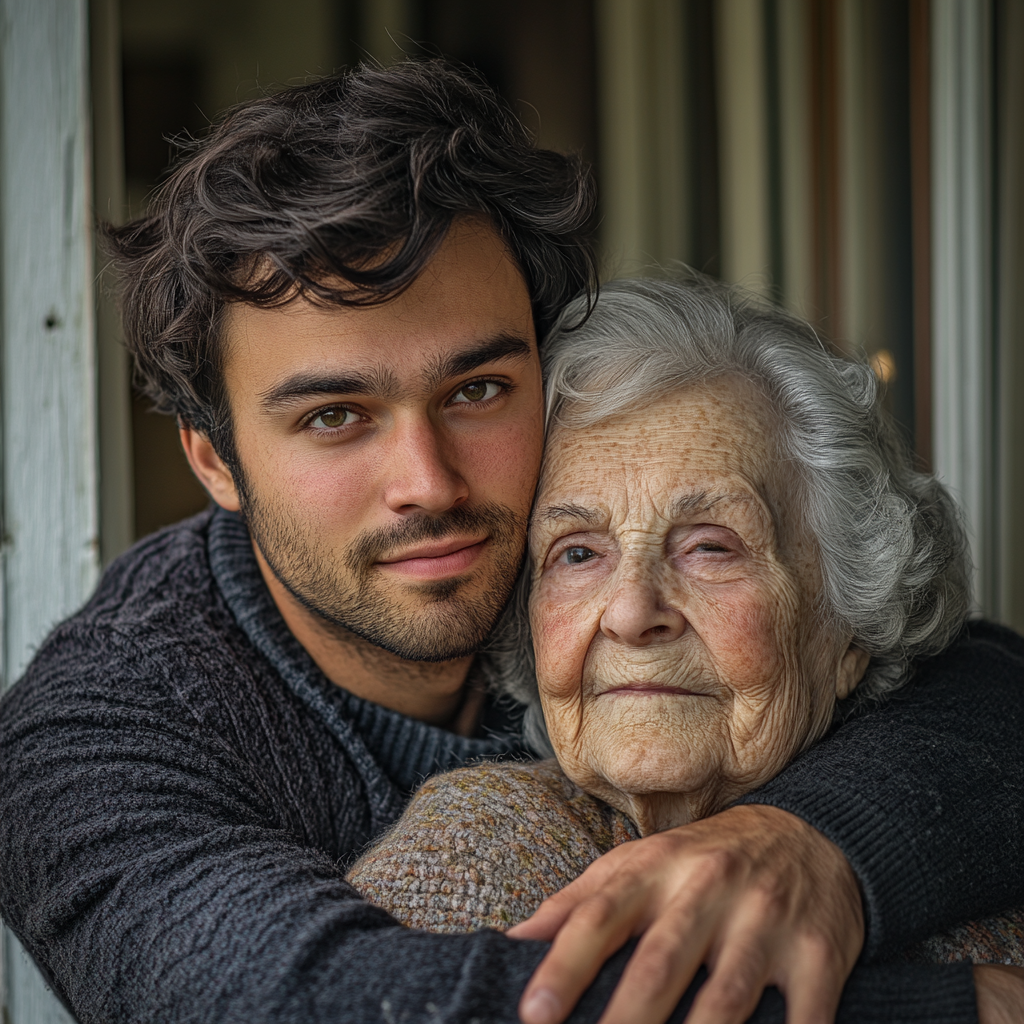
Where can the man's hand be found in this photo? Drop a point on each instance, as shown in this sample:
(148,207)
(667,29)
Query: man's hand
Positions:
(1000,994)
(754,893)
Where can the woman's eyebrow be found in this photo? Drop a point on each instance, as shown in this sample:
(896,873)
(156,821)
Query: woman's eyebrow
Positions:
(696,502)
(552,513)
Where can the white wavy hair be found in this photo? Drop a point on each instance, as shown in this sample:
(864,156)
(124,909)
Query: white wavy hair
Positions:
(892,547)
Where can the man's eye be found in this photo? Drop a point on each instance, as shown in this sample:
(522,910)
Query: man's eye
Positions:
(477,391)
(576,555)
(336,416)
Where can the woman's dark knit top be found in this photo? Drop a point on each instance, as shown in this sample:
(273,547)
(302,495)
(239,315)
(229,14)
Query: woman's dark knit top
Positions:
(182,791)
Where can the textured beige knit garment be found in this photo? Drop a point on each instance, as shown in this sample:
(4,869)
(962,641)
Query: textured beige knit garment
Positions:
(483,847)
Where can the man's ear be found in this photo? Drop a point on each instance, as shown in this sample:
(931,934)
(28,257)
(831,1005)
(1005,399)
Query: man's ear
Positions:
(852,666)
(213,474)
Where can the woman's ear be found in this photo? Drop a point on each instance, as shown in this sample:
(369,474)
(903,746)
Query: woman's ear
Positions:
(208,466)
(852,666)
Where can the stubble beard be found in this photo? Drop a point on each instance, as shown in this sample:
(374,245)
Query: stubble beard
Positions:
(432,621)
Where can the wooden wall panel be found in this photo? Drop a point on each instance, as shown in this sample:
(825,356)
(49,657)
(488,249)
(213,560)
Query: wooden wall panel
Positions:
(50,521)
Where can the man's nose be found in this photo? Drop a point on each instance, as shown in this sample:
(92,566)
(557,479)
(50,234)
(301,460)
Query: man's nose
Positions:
(421,473)
(639,612)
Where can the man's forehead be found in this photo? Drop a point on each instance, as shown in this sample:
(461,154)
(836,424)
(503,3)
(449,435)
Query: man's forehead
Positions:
(470,304)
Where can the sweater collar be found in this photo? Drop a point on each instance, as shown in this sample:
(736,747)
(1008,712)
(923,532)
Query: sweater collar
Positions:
(405,749)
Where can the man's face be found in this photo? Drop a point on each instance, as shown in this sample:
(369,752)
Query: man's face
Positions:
(389,454)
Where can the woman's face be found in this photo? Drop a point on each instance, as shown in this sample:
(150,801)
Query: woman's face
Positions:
(680,657)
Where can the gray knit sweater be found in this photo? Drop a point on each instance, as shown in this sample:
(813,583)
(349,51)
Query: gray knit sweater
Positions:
(181,792)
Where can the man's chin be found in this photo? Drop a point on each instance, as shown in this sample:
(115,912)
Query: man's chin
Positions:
(420,639)
(436,622)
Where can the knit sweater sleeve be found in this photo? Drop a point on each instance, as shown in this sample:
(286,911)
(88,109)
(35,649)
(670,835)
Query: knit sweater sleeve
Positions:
(925,794)
(151,874)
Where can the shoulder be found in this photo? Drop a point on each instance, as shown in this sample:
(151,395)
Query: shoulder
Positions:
(532,796)
(155,628)
(992,940)
(158,593)
(159,577)
(981,650)
(483,846)
(155,610)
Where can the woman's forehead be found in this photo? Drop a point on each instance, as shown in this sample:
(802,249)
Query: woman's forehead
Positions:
(689,451)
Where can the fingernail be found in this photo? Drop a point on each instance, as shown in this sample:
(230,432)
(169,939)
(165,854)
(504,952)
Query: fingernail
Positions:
(540,1007)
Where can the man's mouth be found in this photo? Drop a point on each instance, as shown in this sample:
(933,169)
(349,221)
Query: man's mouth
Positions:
(436,559)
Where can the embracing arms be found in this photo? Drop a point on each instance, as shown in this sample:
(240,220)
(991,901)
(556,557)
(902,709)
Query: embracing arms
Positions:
(153,872)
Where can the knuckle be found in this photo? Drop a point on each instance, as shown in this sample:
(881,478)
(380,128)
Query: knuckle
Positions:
(596,912)
(681,916)
(773,902)
(716,867)
(729,997)
(653,972)
(825,954)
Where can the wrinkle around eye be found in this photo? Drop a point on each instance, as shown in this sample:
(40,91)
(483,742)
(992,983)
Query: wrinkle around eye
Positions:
(555,557)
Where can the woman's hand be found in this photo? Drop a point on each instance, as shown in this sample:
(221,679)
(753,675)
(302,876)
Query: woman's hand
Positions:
(1000,994)
(755,893)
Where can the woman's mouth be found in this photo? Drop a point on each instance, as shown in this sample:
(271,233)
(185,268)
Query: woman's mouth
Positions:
(650,688)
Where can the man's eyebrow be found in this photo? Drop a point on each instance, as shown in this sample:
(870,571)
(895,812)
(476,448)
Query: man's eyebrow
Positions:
(380,382)
(552,513)
(503,346)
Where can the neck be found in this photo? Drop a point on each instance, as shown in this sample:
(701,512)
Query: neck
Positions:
(433,692)
(656,812)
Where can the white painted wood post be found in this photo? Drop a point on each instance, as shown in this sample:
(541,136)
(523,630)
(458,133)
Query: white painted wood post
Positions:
(962,292)
(50,552)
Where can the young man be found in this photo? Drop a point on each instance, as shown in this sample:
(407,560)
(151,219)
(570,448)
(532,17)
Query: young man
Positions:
(340,295)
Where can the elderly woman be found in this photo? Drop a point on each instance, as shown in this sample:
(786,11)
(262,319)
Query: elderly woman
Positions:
(729,548)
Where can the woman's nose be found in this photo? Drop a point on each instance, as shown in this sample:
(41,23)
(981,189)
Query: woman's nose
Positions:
(638,614)
(420,473)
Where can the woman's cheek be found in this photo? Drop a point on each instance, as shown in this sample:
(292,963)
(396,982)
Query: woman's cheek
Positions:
(743,626)
(561,633)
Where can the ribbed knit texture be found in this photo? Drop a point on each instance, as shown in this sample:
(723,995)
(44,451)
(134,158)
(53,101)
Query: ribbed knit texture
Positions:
(407,750)
(181,793)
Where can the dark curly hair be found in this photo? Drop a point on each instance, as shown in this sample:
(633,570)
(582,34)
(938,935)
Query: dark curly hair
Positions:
(341,190)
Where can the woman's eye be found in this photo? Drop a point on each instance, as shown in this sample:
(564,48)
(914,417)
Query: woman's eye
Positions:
(329,419)
(577,554)
(710,545)
(477,391)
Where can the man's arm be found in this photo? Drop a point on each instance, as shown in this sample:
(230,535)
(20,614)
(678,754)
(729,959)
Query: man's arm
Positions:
(151,876)
(924,796)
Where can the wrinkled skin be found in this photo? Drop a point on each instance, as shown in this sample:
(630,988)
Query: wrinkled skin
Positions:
(682,662)
(680,656)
